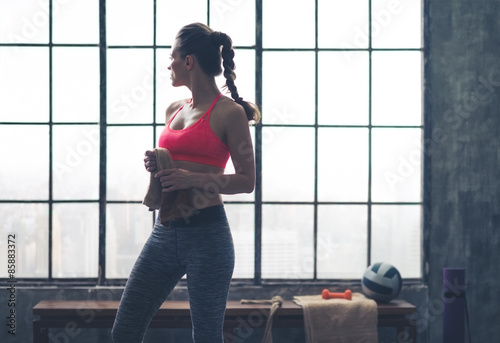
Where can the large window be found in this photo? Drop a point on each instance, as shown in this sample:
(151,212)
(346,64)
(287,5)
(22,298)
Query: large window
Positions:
(83,90)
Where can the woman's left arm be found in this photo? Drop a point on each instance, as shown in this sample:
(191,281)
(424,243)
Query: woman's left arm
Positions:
(240,147)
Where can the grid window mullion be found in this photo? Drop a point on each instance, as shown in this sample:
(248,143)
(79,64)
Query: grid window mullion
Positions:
(51,101)
(258,143)
(103,143)
(373,127)
(316,146)
(369,207)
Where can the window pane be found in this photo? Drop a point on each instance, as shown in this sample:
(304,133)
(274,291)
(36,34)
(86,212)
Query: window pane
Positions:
(171,16)
(396,237)
(287,164)
(76,84)
(24,21)
(343,24)
(343,88)
(129,22)
(75,21)
(396,24)
(25,69)
(29,224)
(287,241)
(342,241)
(291,29)
(130,85)
(343,164)
(397,88)
(236,18)
(76,162)
(241,220)
(128,226)
(396,165)
(127,179)
(75,240)
(288,88)
(17,180)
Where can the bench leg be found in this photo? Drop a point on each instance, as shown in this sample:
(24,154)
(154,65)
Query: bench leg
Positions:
(40,334)
(413,333)
(406,336)
(228,333)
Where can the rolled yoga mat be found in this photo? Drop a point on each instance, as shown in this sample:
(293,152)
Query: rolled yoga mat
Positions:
(454,305)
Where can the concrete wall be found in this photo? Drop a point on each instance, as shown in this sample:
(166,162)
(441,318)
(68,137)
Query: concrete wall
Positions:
(463,113)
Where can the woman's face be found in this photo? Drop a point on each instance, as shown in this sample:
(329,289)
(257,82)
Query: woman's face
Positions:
(177,68)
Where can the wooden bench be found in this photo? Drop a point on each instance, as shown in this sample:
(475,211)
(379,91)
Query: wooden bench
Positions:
(72,316)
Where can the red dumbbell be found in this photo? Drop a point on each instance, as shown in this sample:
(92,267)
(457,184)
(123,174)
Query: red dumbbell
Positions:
(326,294)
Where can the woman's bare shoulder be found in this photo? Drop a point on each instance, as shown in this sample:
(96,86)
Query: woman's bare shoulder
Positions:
(229,108)
(173,107)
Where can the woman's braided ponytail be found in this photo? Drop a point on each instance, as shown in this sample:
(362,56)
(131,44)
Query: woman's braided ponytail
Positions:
(227,53)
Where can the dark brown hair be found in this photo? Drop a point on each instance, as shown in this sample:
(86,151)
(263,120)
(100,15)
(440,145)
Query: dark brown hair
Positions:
(205,44)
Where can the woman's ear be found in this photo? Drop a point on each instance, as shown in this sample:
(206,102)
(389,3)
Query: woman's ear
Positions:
(189,62)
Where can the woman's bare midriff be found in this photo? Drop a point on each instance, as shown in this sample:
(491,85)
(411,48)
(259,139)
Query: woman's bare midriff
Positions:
(209,196)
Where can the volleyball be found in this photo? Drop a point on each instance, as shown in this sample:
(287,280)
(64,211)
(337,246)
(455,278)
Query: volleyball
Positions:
(381,282)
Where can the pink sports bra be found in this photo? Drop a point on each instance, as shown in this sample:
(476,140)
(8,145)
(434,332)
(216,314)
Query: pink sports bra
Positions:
(195,143)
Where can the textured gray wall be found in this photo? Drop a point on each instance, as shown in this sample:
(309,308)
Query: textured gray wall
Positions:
(463,112)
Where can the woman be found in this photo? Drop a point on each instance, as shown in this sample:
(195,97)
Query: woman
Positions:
(200,134)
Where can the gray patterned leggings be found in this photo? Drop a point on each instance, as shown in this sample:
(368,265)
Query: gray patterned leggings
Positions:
(203,250)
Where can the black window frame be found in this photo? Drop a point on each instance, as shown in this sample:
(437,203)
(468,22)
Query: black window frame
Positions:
(257,280)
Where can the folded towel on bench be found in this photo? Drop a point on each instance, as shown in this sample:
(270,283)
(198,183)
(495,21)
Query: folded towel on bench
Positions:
(339,320)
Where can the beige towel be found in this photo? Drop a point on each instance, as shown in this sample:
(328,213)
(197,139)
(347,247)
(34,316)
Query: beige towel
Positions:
(339,320)
(172,205)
